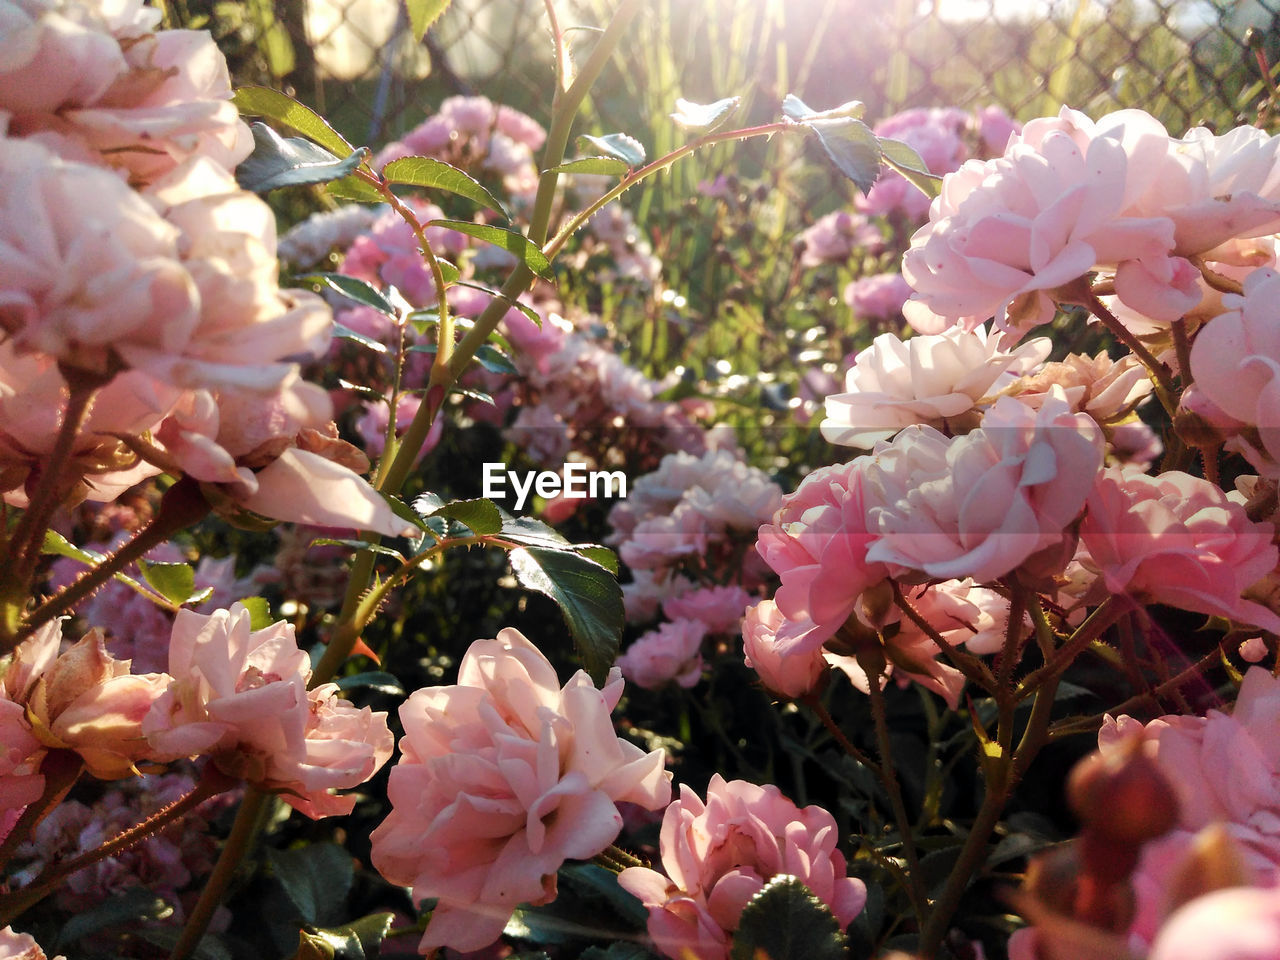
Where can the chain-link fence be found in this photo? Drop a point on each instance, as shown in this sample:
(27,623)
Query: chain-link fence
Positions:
(1183,60)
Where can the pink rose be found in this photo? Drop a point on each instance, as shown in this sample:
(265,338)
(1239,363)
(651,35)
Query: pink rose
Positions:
(834,238)
(787,654)
(671,653)
(1239,923)
(502,777)
(240,696)
(1235,361)
(818,543)
(719,854)
(878,297)
(930,378)
(20,757)
(984,504)
(1178,540)
(719,609)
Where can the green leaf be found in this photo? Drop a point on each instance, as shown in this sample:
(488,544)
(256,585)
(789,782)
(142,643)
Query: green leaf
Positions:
(378,681)
(528,532)
(784,921)
(597,166)
(601,555)
(588,596)
(369,545)
(481,517)
(514,243)
(210,946)
(353,188)
(367,392)
(176,582)
(704,117)
(274,105)
(626,148)
(279,161)
(796,109)
(353,289)
(346,333)
(438,175)
(316,879)
(401,509)
(422,14)
(852,147)
(328,945)
(129,907)
(59,546)
(524,308)
(903,158)
(259,612)
(494,360)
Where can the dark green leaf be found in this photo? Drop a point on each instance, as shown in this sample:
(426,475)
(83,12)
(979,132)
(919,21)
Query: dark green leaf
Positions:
(279,161)
(796,109)
(428,503)
(494,360)
(481,516)
(438,175)
(370,930)
(784,921)
(274,105)
(593,882)
(704,117)
(588,596)
(478,395)
(527,310)
(176,582)
(601,555)
(259,612)
(596,166)
(377,680)
(129,907)
(353,289)
(316,878)
(367,392)
(626,148)
(529,532)
(353,188)
(401,509)
(852,147)
(346,333)
(903,158)
(514,243)
(328,945)
(210,946)
(356,545)
(422,14)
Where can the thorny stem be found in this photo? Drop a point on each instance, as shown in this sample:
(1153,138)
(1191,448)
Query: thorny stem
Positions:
(811,701)
(915,886)
(181,506)
(1218,281)
(973,668)
(1083,295)
(60,769)
(1111,610)
(212,783)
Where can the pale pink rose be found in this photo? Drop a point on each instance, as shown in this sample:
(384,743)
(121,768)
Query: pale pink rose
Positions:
(984,504)
(89,702)
(502,777)
(930,378)
(787,654)
(818,544)
(648,590)
(54,56)
(719,854)
(934,133)
(1107,390)
(834,237)
(20,946)
(1006,233)
(995,127)
(1239,923)
(878,297)
(670,654)
(1159,289)
(87,269)
(1177,539)
(373,423)
(240,696)
(1235,360)
(719,609)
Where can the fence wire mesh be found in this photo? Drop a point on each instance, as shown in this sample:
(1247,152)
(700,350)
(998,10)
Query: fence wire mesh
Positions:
(1183,60)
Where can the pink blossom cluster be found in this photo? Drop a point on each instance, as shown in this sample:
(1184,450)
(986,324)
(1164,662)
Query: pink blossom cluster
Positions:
(136,270)
(502,777)
(717,854)
(478,136)
(230,693)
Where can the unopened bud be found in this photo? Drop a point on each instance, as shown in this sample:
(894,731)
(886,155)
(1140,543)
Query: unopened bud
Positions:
(1123,796)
